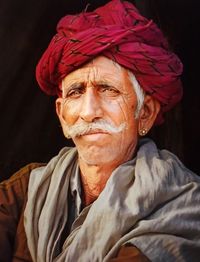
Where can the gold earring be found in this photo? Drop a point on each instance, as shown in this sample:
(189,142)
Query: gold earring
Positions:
(143,132)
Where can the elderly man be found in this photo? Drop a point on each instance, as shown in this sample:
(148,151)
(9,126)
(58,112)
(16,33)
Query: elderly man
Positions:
(115,196)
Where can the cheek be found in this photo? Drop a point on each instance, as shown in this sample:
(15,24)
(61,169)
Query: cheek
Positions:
(126,109)
(70,111)
(118,109)
(114,111)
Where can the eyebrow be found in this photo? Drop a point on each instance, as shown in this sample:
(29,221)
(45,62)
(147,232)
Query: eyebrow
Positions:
(73,85)
(83,84)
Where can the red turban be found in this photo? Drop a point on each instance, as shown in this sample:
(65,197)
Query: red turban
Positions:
(116,31)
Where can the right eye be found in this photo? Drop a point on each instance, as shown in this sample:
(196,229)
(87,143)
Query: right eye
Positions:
(75,92)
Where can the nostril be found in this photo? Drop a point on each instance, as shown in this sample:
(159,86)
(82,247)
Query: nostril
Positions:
(90,115)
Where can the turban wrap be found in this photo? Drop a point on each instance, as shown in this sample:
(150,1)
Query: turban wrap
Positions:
(119,32)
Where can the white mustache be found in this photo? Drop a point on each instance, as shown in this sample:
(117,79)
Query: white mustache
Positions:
(85,128)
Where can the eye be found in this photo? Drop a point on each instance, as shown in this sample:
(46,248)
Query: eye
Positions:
(75,92)
(108,90)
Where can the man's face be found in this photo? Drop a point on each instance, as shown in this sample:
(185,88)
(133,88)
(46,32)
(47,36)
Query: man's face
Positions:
(100,91)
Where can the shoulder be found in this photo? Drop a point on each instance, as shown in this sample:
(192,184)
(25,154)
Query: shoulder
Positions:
(13,195)
(13,190)
(19,180)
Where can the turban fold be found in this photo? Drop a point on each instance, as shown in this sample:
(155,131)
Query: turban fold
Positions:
(118,32)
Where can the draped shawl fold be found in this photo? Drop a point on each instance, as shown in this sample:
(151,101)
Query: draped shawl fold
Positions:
(120,33)
(151,202)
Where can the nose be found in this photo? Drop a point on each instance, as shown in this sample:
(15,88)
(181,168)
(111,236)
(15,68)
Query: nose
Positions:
(91,106)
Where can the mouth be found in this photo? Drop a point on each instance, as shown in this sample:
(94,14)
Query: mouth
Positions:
(94,132)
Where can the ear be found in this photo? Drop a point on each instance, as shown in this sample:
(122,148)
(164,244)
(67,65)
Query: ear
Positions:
(59,109)
(148,114)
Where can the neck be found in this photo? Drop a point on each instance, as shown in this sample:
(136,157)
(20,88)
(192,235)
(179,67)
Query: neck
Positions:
(94,179)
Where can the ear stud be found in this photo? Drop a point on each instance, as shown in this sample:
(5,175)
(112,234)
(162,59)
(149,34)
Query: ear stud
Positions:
(143,132)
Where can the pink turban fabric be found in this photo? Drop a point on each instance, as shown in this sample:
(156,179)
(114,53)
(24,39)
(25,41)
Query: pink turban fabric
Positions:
(118,32)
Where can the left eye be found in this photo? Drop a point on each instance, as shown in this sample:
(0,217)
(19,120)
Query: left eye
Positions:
(109,90)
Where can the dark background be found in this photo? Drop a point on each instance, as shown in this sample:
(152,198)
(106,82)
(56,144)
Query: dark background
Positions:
(29,129)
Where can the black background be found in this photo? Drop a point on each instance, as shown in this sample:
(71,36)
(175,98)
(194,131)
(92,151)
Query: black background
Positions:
(29,129)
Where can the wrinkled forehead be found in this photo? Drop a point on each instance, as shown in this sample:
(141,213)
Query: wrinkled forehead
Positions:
(98,69)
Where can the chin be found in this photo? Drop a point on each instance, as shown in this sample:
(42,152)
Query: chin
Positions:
(97,157)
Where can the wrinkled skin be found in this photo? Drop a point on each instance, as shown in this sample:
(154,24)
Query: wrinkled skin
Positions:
(102,90)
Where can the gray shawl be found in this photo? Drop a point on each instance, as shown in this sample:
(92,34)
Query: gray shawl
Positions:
(152,202)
